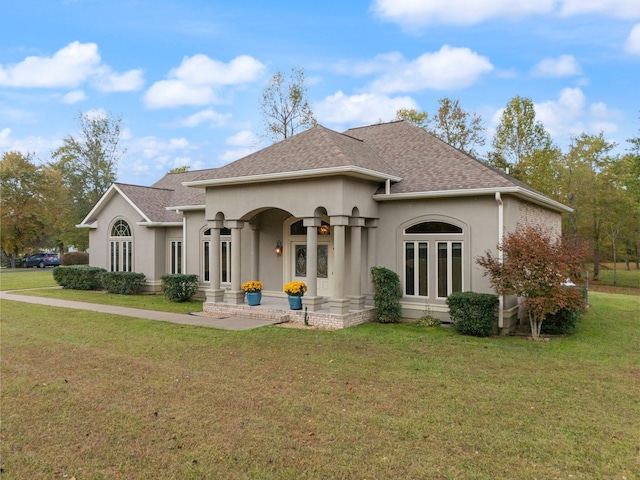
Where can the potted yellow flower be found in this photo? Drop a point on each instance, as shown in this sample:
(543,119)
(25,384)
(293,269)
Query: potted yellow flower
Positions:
(253,292)
(295,290)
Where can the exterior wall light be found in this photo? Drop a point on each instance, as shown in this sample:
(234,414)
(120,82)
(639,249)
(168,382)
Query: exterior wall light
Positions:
(324,229)
(278,248)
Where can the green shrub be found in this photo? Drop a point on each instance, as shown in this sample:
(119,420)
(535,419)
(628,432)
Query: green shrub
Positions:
(123,283)
(474,313)
(387,295)
(562,322)
(428,320)
(79,277)
(179,287)
(75,258)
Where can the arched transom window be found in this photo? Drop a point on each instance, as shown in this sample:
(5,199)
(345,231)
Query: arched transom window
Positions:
(120,247)
(433,263)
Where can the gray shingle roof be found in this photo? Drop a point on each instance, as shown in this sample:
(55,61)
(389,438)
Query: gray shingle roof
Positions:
(316,148)
(399,149)
(426,163)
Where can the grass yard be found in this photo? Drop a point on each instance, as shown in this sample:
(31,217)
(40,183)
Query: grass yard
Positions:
(95,396)
(30,278)
(625,278)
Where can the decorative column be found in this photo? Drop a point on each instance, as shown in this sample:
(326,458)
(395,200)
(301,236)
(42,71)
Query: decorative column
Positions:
(311,300)
(372,251)
(339,304)
(356,296)
(215,294)
(255,251)
(235,296)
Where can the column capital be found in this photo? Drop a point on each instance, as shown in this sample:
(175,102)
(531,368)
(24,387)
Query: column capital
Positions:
(339,220)
(311,221)
(357,222)
(215,224)
(234,223)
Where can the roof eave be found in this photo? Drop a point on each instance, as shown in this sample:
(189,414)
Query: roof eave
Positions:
(349,170)
(520,192)
(159,224)
(185,208)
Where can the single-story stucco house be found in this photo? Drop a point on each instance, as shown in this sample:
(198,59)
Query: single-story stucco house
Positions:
(388,195)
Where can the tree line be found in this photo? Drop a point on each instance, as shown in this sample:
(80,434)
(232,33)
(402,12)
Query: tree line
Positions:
(40,204)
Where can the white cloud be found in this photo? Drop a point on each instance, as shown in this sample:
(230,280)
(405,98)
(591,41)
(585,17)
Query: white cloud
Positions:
(412,14)
(202,70)
(360,109)
(613,8)
(208,116)
(244,138)
(448,68)
(416,14)
(245,141)
(571,115)
(235,154)
(562,66)
(74,65)
(197,79)
(633,41)
(120,82)
(5,133)
(73,97)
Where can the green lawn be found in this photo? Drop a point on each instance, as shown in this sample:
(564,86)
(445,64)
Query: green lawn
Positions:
(96,396)
(30,278)
(625,278)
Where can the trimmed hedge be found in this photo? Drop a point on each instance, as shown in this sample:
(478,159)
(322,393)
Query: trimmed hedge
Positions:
(387,295)
(473,313)
(75,258)
(179,287)
(79,277)
(123,283)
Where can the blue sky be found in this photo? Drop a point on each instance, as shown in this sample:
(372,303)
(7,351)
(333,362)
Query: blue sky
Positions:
(186,76)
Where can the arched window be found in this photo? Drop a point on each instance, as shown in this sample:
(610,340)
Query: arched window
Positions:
(120,247)
(433,263)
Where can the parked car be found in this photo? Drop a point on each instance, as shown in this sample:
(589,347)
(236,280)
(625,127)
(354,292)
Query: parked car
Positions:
(41,260)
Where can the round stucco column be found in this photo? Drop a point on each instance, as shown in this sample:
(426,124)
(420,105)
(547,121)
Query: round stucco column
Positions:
(255,255)
(215,293)
(356,296)
(339,304)
(235,295)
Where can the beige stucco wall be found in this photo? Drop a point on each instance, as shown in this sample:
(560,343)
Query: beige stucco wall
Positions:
(338,195)
(148,244)
(478,216)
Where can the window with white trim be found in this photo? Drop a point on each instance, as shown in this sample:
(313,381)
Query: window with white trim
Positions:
(225,255)
(120,247)
(433,260)
(175,256)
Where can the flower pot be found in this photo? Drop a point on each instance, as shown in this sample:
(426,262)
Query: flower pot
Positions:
(295,302)
(254,298)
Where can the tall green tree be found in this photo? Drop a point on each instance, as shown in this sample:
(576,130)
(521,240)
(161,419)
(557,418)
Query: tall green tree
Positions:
(284,105)
(88,164)
(521,144)
(588,185)
(459,128)
(30,197)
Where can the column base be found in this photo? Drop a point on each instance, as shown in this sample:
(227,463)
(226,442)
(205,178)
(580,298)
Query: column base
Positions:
(339,306)
(234,297)
(313,304)
(214,296)
(357,301)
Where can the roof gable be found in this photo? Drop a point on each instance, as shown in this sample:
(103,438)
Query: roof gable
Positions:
(315,149)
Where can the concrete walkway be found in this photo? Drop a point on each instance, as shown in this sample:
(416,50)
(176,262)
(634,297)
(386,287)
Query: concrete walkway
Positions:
(229,323)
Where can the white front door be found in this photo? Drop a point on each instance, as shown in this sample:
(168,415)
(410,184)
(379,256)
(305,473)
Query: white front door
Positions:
(298,262)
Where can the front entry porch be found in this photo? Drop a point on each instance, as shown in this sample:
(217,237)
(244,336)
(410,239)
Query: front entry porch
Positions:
(277,308)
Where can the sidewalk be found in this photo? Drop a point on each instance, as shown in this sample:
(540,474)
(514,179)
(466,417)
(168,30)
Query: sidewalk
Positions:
(229,323)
